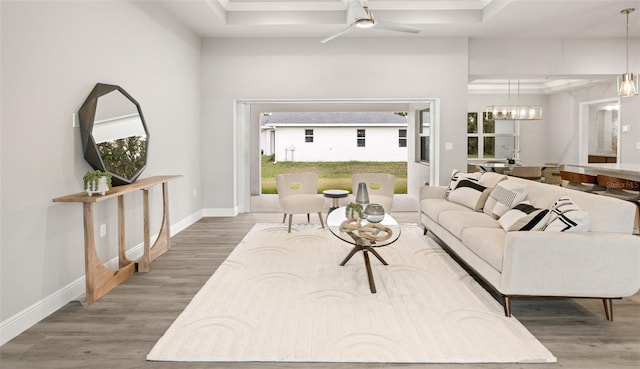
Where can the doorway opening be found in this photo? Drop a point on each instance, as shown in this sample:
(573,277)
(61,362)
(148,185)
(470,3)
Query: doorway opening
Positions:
(248,151)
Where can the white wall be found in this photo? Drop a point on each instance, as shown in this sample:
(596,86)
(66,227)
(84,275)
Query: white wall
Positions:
(343,69)
(53,53)
(339,144)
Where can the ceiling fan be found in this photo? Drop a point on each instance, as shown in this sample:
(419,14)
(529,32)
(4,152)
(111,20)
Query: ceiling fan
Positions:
(364,20)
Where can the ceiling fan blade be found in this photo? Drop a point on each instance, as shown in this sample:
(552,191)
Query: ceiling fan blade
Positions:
(357,9)
(345,30)
(390,26)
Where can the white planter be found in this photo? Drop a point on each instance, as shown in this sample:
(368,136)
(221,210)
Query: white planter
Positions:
(100,186)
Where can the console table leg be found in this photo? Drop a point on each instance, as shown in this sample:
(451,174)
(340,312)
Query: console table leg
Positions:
(163,242)
(122,257)
(99,279)
(144,263)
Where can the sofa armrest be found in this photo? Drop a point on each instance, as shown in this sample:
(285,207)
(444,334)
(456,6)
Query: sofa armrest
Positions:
(585,264)
(432,192)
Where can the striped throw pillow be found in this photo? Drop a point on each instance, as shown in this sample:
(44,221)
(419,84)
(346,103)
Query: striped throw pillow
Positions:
(469,193)
(524,217)
(566,216)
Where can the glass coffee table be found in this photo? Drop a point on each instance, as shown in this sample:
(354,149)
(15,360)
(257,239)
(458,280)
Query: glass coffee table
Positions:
(364,236)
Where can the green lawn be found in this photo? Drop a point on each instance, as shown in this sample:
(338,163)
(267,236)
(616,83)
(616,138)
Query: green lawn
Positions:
(332,175)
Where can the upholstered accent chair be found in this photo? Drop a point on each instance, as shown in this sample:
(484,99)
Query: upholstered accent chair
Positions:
(380,187)
(298,194)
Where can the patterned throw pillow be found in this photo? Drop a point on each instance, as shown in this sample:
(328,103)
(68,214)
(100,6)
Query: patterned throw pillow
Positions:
(469,193)
(456,176)
(505,196)
(566,216)
(524,217)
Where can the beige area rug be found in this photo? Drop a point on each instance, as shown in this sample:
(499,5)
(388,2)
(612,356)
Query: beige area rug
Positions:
(284,297)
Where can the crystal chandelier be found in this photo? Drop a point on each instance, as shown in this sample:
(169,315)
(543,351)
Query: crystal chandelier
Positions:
(627,82)
(515,112)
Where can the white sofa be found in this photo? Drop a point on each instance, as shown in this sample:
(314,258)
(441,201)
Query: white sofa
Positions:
(603,262)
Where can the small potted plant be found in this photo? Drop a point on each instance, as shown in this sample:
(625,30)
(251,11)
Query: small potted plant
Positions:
(97,182)
(354,211)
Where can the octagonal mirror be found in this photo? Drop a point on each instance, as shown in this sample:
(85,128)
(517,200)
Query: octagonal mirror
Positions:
(114,133)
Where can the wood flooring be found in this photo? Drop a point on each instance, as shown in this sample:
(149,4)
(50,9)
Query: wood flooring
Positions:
(121,328)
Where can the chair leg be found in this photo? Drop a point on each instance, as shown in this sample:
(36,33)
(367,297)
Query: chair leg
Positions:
(608,309)
(308,219)
(506,303)
(284,217)
(290,219)
(321,222)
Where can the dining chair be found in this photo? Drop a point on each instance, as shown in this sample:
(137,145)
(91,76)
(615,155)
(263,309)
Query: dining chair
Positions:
(527,172)
(298,194)
(551,173)
(380,187)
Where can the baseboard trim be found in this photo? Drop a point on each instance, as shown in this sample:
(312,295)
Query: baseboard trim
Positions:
(220,212)
(74,291)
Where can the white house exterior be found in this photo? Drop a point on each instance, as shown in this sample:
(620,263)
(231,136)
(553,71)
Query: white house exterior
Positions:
(342,136)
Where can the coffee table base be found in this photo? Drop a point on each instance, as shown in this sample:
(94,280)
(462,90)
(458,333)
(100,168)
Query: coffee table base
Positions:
(365,252)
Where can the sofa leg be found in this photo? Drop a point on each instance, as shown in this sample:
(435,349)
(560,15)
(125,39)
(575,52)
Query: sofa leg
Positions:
(608,309)
(321,222)
(506,303)
(424,232)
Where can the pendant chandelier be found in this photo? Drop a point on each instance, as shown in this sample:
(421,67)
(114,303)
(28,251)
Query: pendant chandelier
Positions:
(627,82)
(517,111)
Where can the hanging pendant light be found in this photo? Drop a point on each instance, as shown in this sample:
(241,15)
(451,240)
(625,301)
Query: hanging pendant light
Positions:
(517,111)
(627,82)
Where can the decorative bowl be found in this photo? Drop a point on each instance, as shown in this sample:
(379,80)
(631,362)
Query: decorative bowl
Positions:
(374,213)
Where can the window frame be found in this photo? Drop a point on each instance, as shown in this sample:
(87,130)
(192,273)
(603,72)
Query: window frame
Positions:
(308,137)
(481,136)
(361,137)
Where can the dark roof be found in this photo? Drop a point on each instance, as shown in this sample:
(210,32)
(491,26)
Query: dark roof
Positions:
(368,118)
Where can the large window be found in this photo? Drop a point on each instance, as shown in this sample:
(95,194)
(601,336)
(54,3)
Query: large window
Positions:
(488,138)
(308,135)
(361,138)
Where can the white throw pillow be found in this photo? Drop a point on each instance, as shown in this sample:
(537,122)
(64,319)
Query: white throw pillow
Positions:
(524,217)
(456,176)
(504,196)
(566,216)
(470,194)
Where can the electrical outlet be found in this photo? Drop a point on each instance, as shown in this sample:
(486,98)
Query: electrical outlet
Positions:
(448,146)
(638,145)
(103,230)
(195,193)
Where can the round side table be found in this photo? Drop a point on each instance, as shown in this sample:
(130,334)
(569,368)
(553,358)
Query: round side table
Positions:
(335,196)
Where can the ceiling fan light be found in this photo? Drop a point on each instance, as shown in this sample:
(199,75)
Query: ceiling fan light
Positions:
(627,85)
(364,23)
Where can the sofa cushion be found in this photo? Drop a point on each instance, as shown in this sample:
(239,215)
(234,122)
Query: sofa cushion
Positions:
(524,217)
(470,194)
(435,207)
(487,243)
(491,179)
(566,216)
(457,176)
(456,221)
(505,196)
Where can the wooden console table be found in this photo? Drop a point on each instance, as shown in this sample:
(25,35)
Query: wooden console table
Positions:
(99,278)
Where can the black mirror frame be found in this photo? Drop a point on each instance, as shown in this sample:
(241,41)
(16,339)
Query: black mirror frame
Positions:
(86,116)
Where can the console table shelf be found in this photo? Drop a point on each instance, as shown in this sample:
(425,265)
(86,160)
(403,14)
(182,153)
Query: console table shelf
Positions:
(99,278)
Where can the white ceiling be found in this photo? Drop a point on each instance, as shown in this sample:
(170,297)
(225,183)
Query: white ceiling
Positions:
(515,19)
(473,18)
